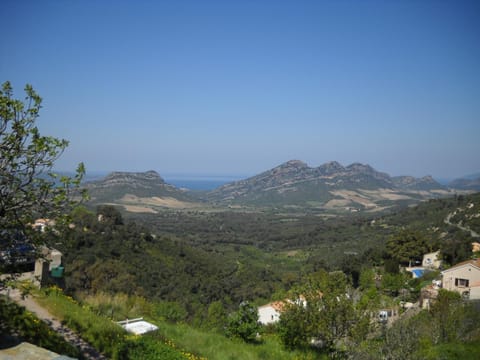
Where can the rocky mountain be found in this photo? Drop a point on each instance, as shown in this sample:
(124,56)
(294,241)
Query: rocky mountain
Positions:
(141,189)
(331,185)
(293,184)
(467,183)
(411,183)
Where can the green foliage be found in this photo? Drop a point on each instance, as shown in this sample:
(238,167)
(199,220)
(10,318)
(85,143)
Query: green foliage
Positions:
(14,319)
(127,258)
(170,310)
(401,341)
(217,316)
(335,308)
(244,323)
(146,347)
(295,327)
(118,306)
(100,332)
(452,351)
(393,283)
(367,279)
(28,188)
(170,342)
(109,215)
(448,331)
(407,246)
(105,335)
(215,346)
(457,248)
(391,266)
(328,314)
(453,320)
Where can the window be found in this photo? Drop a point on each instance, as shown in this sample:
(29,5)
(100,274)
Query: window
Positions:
(461,282)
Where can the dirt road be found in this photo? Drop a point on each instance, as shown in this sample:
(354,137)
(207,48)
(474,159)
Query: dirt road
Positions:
(464,228)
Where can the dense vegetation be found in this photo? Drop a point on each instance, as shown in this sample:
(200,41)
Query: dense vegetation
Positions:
(170,342)
(195,259)
(17,323)
(189,271)
(198,267)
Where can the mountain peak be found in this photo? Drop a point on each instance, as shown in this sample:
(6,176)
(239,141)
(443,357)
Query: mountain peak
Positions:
(412,183)
(295,164)
(358,167)
(428,178)
(150,175)
(331,167)
(118,184)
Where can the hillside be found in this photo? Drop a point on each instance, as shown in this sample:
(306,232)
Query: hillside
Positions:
(188,282)
(291,186)
(330,186)
(194,258)
(138,192)
(467,183)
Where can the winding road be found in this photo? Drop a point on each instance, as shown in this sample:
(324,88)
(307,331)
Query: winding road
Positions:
(464,228)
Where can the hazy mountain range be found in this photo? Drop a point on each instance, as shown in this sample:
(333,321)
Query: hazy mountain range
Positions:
(331,186)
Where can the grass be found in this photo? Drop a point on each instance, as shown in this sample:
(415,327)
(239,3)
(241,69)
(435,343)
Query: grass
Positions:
(171,341)
(452,351)
(105,335)
(215,346)
(16,323)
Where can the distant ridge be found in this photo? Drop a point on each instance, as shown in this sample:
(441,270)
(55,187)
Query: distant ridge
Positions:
(330,185)
(411,183)
(293,184)
(140,184)
(471,182)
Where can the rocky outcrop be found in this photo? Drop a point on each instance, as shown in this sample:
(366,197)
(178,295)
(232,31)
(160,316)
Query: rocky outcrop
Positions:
(466,184)
(412,183)
(148,179)
(141,184)
(294,182)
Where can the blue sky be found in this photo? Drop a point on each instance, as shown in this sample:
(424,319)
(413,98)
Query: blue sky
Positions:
(238,87)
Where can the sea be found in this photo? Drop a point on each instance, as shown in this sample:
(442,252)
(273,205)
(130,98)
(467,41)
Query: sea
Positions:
(190,182)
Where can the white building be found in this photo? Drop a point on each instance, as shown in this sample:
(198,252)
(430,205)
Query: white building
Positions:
(270,313)
(432,260)
(463,278)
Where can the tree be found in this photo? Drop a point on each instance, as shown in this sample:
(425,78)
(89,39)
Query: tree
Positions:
(295,326)
(216,316)
(401,342)
(407,245)
(336,311)
(109,214)
(449,317)
(28,187)
(327,315)
(244,323)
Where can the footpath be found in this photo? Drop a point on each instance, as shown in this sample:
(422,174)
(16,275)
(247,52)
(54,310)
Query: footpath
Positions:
(70,336)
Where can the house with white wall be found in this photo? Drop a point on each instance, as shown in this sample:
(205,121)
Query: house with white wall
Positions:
(463,278)
(270,313)
(432,260)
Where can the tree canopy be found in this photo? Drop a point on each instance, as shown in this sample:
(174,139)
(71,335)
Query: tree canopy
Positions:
(407,245)
(244,323)
(324,313)
(28,187)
